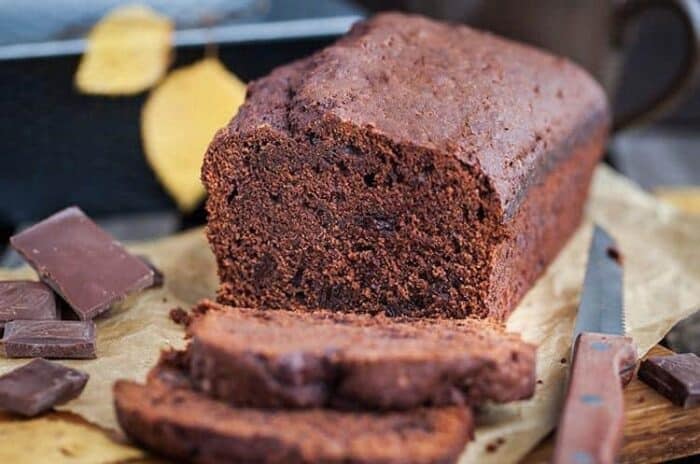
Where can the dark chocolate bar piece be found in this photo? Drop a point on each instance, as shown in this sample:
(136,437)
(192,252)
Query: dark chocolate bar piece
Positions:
(26,299)
(158,277)
(677,377)
(81,262)
(50,339)
(38,386)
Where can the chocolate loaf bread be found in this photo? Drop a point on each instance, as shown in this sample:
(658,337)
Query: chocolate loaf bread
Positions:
(167,416)
(286,359)
(413,168)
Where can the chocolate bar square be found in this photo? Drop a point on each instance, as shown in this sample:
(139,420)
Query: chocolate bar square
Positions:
(49,339)
(81,262)
(28,300)
(677,377)
(38,386)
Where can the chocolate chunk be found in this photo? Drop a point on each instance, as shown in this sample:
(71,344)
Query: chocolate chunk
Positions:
(81,262)
(158,277)
(180,316)
(677,377)
(49,339)
(25,299)
(38,386)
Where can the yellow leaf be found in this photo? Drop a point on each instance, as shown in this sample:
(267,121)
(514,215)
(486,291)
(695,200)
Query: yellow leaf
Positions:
(127,52)
(59,438)
(687,199)
(179,120)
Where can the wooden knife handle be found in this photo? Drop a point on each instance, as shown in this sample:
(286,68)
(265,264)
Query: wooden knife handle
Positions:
(590,429)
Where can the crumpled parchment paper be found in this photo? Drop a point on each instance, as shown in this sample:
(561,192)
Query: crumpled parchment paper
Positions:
(661,250)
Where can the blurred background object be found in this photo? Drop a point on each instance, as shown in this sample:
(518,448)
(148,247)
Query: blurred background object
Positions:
(31,23)
(600,35)
(60,147)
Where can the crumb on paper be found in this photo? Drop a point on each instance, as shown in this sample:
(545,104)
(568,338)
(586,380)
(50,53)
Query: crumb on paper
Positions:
(493,446)
(179,316)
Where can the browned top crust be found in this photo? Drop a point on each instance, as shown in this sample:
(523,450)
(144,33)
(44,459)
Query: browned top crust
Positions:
(499,107)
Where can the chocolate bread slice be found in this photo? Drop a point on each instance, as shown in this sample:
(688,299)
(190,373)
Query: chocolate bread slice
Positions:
(412,168)
(291,359)
(174,420)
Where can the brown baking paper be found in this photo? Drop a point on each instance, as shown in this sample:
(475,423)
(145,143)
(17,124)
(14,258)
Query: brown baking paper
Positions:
(661,250)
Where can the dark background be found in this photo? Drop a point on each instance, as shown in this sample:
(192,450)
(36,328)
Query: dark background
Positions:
(58,147)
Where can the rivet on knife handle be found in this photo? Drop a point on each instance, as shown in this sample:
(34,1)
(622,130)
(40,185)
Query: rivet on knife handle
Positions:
(590,430)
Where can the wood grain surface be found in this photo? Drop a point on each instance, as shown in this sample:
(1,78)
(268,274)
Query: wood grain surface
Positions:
(655,429)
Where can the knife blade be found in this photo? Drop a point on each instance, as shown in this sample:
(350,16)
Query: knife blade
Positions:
(600,308)
(591,424)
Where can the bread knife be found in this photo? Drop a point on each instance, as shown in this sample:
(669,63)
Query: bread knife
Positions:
(603,361)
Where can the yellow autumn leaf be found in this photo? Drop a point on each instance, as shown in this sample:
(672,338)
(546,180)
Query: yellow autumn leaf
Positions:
(179,120)
(686,199)
(60,438)
(127,52)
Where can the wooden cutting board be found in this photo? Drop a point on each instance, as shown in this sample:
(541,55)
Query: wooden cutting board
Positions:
(656,430)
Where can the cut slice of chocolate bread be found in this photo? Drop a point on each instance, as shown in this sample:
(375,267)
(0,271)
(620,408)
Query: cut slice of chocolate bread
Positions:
(412,168)
(170,418)
(306,359)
